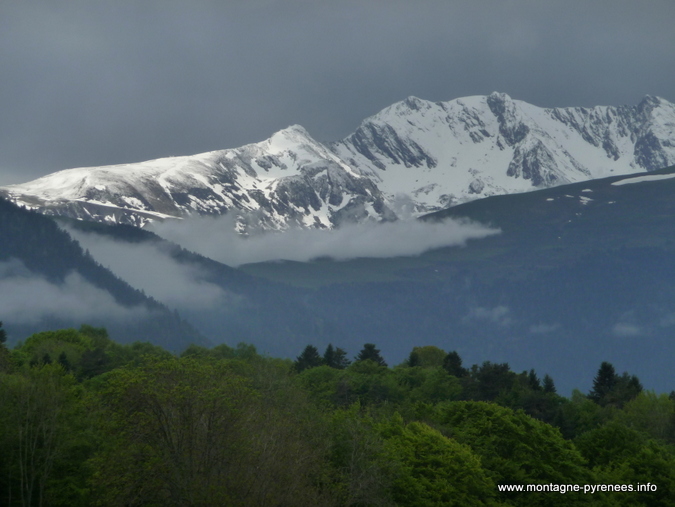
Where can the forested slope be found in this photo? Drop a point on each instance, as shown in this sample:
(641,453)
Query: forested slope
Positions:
(58,284)
(87,421)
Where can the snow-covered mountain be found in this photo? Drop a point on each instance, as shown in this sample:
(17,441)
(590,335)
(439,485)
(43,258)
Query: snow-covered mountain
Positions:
(446,153)
(413,157)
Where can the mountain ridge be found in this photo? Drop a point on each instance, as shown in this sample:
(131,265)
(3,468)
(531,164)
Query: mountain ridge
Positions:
(411,158)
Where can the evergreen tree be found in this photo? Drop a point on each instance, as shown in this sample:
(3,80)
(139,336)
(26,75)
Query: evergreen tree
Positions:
(63,361)
(548,385)
(533,381)
(369,352)
(329,356)
(603,383)
(413,359)
(3,334)
(453,365)
(627,387)
(309,358)
(612,389)
(494,379)
(341,360)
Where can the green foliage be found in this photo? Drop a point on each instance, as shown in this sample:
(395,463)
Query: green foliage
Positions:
(133,425)
(43,422)
(363,471)
(434,385)
(579,415)
(434,470)
(68,341)
(5,359)
(426,357)
(609,444)
(514,447)
(652,414)
(98,335)
(169,423)
(621,455)
(193,432)
(324,383)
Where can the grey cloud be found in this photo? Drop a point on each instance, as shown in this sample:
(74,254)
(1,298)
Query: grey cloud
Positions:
(27,298)
(216,238)
(95,83)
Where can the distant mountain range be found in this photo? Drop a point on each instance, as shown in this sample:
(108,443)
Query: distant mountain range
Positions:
(580,273)
(411,158)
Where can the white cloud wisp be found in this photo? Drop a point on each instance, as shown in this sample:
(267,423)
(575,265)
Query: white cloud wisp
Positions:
(27,298)
(217,239)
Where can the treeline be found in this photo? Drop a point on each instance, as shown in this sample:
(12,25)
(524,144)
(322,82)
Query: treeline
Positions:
(87,421)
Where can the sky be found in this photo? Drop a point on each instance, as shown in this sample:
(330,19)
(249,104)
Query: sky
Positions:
(89,83)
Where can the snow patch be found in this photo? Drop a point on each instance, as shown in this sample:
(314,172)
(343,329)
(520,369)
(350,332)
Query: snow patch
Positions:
(642,179)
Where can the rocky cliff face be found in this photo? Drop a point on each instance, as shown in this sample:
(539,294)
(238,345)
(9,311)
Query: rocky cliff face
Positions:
(413,157)
(445,153)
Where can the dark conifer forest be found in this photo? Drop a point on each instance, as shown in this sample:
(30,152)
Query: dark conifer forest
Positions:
(88,421)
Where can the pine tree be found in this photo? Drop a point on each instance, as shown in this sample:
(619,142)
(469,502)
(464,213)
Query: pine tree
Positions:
(369,352)
(603,383)
(3,334)
(341,360)
(533,381)
(453,365)
(309,358)
(548,385)
(494,379)
(63,361)
(329,356)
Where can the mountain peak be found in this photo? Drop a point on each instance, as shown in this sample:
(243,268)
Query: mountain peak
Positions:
(500,96)
(414,103)
(292,132)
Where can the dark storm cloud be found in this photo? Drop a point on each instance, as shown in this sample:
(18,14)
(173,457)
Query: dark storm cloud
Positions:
(93,83)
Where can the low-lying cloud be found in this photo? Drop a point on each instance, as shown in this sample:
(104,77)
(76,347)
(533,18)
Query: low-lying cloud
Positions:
(626,330)
(28,298)
(148,266)
(544,328)
(500,315)
(217,239)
